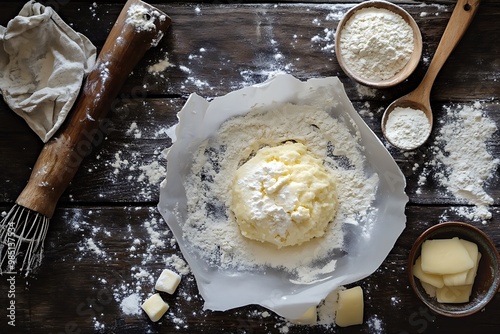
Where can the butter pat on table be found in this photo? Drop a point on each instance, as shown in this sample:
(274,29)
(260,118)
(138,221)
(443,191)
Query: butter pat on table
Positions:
(155,307)
(168,281)
(310,317)
(350,307)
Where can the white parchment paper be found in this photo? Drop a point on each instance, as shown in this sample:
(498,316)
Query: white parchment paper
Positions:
(227,289)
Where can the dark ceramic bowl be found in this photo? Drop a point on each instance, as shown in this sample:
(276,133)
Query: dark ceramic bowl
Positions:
(487,280)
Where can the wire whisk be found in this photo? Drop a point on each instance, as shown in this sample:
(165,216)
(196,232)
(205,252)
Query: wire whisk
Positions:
(22,235)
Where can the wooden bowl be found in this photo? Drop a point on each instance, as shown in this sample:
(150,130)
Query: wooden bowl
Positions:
(487,280)
(410,66)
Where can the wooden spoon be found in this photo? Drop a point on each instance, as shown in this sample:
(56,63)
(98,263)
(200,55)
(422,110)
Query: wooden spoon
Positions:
(420,98)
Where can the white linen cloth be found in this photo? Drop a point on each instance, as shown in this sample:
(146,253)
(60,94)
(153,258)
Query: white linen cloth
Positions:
(43,62)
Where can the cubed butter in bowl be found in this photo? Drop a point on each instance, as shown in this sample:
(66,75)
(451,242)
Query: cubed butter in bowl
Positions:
(453,268)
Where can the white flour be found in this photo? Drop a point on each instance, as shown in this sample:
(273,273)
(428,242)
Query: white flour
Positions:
(375,325)
(376,43)
(160,66)
(137,171)
(211,228)
(326,40)
(130,304)
(135,283)
(143,18)
(178,264)
(326,309)
(407,128)
(462,158)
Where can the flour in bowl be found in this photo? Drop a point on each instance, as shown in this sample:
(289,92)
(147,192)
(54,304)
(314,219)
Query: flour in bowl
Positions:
(376,43)
(211,229)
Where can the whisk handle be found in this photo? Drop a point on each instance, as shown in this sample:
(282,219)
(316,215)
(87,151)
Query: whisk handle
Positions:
(138,27)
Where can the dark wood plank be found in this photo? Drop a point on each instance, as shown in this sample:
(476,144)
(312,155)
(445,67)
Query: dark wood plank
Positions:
(242,56)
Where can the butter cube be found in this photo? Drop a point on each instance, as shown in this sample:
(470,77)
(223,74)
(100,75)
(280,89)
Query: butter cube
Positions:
(168,281)
(471,274)
(432,279)
(445,256)
(155,307)
(350,307)
(454,294)
(309,317)
(465,277)
(456,279)
(475,256)
(470,247)
(429,289)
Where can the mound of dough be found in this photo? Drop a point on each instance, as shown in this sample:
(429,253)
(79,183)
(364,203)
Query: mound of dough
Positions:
(284,195)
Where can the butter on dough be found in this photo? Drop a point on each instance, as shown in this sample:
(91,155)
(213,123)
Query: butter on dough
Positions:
(284,195)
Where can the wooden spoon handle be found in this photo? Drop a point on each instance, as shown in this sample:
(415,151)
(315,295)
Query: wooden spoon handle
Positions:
(460,19)
(138,27)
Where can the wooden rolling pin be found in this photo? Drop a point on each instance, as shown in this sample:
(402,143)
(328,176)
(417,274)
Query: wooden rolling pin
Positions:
(138,27)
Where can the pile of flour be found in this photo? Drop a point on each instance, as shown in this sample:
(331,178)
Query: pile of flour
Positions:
(463,160)
(211,228)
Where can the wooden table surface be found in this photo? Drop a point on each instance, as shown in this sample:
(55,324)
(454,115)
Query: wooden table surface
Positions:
(100,247)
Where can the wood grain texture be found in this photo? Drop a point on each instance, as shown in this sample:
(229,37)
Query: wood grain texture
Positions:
(223,46)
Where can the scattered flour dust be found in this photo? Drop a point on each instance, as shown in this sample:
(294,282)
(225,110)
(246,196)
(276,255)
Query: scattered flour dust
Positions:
(326,38)
(210,227)
(263,67)
(93,11)
(270,66)
(129,287)
(147,175)
(160,66)
(130,305)
(178,264)
(464,162)
(365,91)
(134,129)
(375,325)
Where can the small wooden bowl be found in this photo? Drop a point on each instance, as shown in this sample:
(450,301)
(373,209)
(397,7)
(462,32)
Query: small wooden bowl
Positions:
(410,66)
(487,280)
